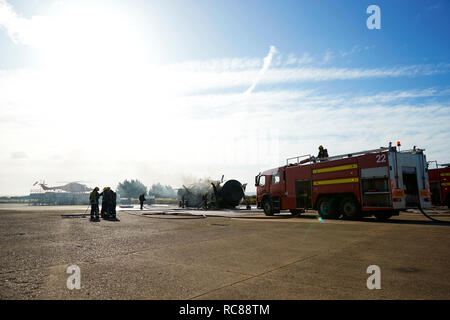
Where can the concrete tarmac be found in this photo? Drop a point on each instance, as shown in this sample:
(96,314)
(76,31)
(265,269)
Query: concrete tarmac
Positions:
(168,253)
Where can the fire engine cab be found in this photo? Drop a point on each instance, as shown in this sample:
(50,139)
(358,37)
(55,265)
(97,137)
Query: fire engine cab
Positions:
(440,184)
(378,182)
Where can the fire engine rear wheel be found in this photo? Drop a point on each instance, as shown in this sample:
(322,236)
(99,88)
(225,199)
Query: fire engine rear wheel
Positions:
(268,207)
(327,208)
(350,208)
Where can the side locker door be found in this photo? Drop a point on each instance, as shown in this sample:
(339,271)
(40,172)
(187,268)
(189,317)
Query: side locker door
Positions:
(375,184)
(303,194)
(303,188)
(375,187)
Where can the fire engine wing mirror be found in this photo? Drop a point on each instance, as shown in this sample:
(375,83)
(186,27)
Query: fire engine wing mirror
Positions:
(257,180)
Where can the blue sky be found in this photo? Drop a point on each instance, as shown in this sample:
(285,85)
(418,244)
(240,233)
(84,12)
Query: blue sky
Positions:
(412,31)
(213,87)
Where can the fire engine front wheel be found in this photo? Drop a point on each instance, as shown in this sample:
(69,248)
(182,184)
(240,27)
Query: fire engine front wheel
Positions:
(350,208)
(268,207)
(327,208)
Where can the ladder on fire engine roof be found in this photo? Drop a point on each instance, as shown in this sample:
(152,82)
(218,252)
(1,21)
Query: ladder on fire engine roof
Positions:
(313,159)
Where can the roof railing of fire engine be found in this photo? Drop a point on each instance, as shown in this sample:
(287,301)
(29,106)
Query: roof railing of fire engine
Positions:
(438,165)
(414,150)
(349,155)
(313,159)
(307,157)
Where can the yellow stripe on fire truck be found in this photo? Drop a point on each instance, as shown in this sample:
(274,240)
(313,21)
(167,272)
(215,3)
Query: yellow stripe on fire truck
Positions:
(338,168)
(445,184)
(335,181)
(445,174)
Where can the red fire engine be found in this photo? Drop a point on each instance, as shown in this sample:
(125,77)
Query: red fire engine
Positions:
(440,184)
(378,182)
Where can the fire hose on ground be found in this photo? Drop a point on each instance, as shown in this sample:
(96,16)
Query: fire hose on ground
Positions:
(431,218)
(154,215)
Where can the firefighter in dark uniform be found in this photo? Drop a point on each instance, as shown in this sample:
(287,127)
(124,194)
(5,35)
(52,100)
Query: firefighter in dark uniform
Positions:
(141,200)
(113,206)
(323,153)
(93,198)
(106,202)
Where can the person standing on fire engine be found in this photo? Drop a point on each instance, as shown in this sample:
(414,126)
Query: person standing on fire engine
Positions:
(142,199)
(93,198)
(323,153)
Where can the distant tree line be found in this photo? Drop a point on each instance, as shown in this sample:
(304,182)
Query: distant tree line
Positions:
(131,189)
(160,191)
(134,188)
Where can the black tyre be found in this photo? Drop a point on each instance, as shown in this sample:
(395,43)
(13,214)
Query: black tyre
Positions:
(268,207)
(383,216)
(350,208)
(327,208)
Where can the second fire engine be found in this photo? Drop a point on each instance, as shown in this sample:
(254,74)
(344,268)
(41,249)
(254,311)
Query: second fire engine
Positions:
(440,184)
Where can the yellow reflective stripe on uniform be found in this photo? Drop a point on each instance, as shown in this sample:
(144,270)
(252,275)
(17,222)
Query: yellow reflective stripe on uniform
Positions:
(445,184)
(445,174)
(335,181)
(338,168)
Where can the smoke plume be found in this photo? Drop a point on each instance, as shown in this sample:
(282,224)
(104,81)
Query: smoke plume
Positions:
(266,65)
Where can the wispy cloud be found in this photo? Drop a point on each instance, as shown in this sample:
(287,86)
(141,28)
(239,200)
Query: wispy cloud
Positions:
(355,49)
(293,60)
(327,57)
(31,32)
(18,155)
(227,76)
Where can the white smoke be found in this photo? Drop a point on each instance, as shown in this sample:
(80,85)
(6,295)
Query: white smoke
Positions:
(266,65)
